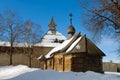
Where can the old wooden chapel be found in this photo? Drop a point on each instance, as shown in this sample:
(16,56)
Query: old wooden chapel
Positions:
(77,53)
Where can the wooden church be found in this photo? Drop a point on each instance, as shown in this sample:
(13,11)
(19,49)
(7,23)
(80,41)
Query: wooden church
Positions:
(77,53)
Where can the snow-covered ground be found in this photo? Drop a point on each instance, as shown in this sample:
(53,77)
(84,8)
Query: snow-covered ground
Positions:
(22,72)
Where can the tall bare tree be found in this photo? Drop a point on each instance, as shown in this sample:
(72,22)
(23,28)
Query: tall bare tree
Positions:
(31,36)
(11,29)
(102,17)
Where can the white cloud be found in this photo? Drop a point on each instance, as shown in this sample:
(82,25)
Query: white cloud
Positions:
(108,42)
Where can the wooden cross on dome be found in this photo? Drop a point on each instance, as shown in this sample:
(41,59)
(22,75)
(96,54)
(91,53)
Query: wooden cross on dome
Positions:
(70,18)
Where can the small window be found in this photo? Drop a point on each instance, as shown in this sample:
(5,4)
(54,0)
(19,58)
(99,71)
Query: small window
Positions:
(60,61)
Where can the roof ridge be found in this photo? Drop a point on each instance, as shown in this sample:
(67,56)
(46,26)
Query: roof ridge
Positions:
(68,45)
(81,37)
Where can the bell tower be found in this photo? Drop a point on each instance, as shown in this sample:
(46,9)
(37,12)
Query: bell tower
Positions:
(52,25)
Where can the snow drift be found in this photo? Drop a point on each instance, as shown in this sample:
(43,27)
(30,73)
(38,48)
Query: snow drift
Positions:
(22,72)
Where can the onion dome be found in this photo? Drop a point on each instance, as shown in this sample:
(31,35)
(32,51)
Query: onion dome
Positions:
(71,29)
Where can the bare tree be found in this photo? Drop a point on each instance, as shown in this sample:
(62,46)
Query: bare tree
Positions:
(104,14)
(31,36)
(11,29)
(102,18)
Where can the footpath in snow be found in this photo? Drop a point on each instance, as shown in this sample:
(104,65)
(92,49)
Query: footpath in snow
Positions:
(22,72)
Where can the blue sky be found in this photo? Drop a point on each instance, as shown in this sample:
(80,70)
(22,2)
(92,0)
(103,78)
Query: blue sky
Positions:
(41,11)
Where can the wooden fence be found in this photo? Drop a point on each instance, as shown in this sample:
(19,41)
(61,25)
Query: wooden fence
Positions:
(111,67)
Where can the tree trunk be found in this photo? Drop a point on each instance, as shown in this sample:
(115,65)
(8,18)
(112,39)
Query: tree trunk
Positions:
(30,58)
(11,47)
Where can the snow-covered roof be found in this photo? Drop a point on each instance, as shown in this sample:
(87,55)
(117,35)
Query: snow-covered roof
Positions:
(58,48)
(51,39)
(76,44)
(15,44)
(3,43)
(73,45)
